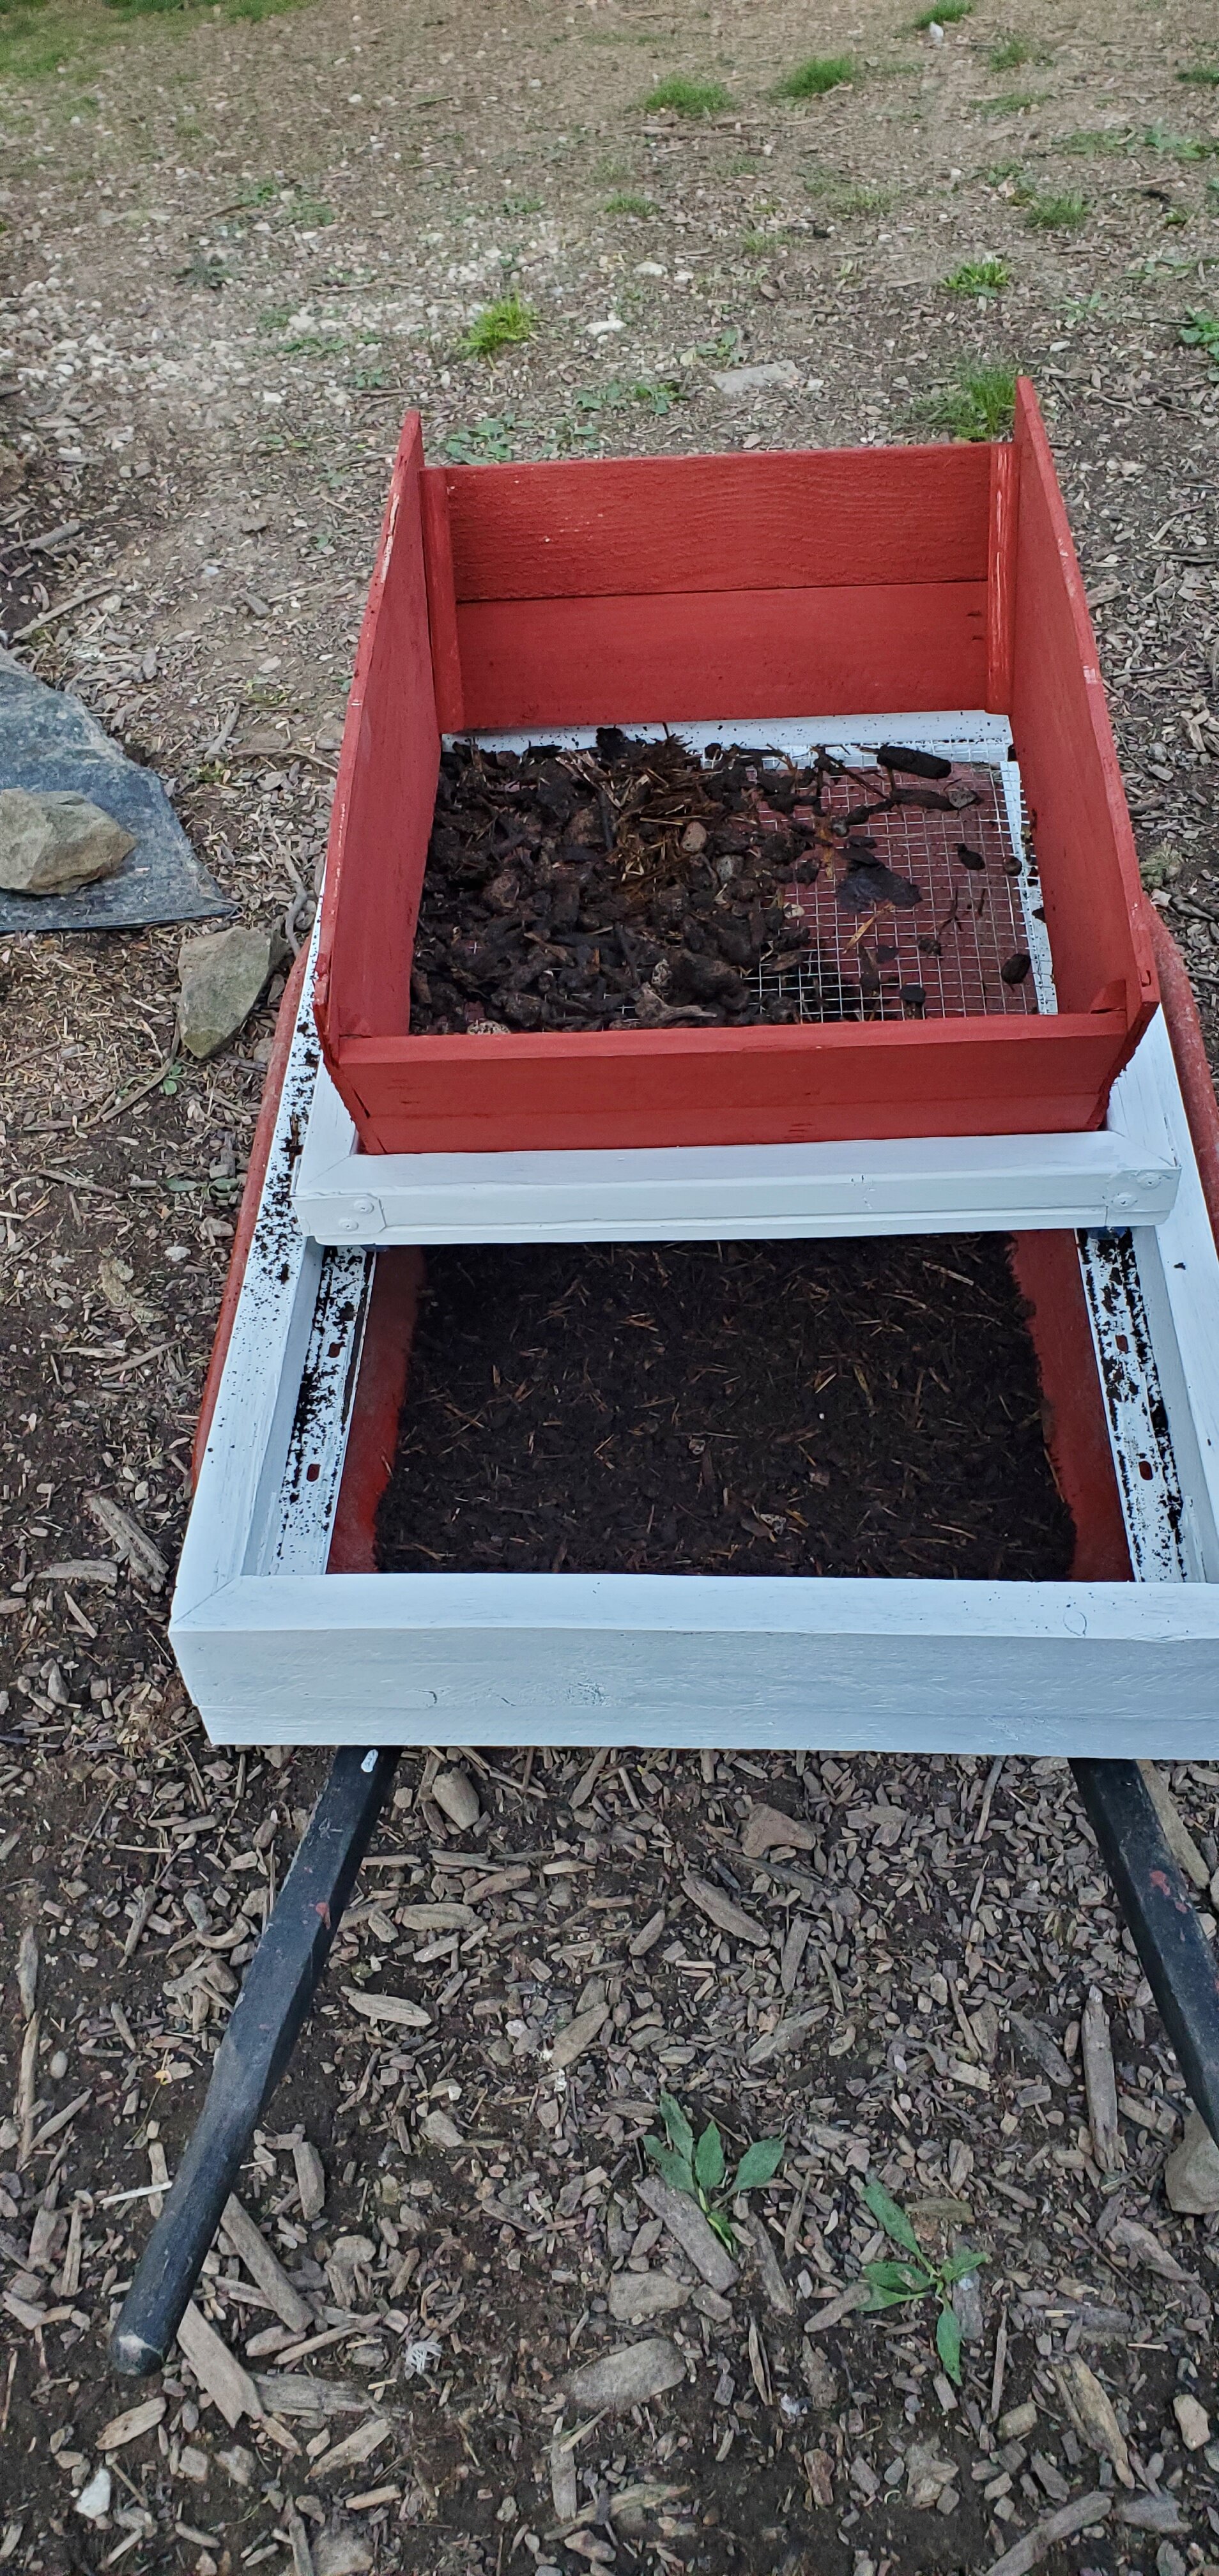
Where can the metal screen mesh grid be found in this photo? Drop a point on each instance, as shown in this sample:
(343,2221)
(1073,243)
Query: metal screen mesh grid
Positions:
(954,943)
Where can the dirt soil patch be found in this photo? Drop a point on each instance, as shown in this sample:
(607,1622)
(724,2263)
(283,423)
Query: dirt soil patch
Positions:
(638,881)
(753,1408)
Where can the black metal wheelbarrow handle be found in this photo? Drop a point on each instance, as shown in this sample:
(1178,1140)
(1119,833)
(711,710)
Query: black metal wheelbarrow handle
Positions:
(276,1993)
(1178,1961)
(280,1981)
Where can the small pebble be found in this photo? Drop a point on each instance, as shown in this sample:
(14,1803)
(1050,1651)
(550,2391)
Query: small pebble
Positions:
(59,2066)
(94,2498)
(457,1798)
(1193,2422)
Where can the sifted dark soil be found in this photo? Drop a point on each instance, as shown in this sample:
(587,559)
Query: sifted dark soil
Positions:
(865,1408)
(641,883)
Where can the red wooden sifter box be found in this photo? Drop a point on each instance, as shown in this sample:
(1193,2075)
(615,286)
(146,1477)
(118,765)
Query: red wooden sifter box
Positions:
(825,582)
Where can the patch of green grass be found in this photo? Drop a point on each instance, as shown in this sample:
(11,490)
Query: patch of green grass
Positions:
(979,403)
(499,326)
(1180,147)
(255,9)
(1202,75)
(689,97)
(1096,138)
(625,202)
(979,277)
(259,9)
(312,344)
(310,214)
(590,406)
(1062,214)
(523,205)
(486,442)
(1009,56)
(839,197)
(1011,102)
(949,15)
(1201,331)
(28,52)
(813,78)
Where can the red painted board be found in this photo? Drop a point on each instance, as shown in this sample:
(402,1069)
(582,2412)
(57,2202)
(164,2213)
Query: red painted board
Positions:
(382,816)
(1046,1268)
(1189,1052)
(441,600)
(372,1437)
(1000,587)
(728,1087)
(1072,783)
(818,518)
(722,653)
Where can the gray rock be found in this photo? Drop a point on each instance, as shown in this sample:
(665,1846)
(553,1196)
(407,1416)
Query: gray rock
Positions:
(1191,2175)
(634,2296)
(54,841)
(629,2377)
(738,383)
(1152,2513)
(221,975)
(340,2553)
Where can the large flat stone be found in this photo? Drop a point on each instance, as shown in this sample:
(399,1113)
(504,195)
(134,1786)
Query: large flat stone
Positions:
(53,841)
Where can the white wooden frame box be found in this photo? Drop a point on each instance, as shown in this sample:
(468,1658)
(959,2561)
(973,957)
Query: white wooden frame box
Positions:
(275,1649)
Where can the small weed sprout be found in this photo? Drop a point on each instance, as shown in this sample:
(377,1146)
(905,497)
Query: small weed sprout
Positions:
(1009,56)
(1179,147)
(499,326)
(979,277)
(700,2171)
(813,78)
(978,404)
(689,97)
(897,2284)
(1201,331)
(1062,214)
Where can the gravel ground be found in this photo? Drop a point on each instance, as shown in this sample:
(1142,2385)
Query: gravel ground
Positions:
(238,244)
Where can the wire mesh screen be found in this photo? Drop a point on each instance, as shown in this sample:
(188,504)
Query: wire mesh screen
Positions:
(960,951)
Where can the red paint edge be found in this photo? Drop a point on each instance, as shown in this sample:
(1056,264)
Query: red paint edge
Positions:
(247,1214)
(372,1440)
(1046,1270)
(1189,1050)
(410,446)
